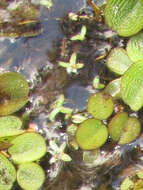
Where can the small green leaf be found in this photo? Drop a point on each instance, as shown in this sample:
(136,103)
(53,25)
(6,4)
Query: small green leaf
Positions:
(132,86)
(135,47)
(113,88)
(118,61)
(14,91)
(81,35)
(27,147)
(140,174)
(97,84)
(124,16)
(91,134)
(124,129)
(100,105)
(127,184)
(30,176)
(7,173)
(10,126)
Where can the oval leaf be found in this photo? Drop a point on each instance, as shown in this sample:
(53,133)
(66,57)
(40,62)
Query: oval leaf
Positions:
(118,61)
(7,173)
(27,147)
(91,134)
(30,176)
(10,126)
(124,16)
(100,105)
(135,47)
(14,91)
(132,86)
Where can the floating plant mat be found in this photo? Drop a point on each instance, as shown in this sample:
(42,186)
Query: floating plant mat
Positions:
(71,52)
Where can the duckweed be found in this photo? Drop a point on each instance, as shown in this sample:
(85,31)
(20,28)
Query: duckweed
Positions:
(30,176)
(7,173)
(10,126)
(14,91)
(135,47)
(132,86)
(118,61)
(124,129)
(100,105)
(113,88)
(91,134)
(27,147)
(124,16)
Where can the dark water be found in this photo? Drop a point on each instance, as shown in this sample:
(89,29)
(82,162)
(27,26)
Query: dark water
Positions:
(37,59)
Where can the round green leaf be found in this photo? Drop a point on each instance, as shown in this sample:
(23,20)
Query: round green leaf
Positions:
(100,105)
(132,86)
(118,61)
(27,147)
(116,125)
(127,184)
(14,91)
(91,134)
(124,129)
(135,47)
(30,176)
(113,88)
(7,173)
(10,126)
(124,16)
(132,130)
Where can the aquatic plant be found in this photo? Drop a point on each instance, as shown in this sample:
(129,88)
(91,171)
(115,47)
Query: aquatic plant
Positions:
(10,126)
(114,88)
(27,147)
(123,128)
(80,36)
(133,182)
(30,176)
(14,92)
(57,107)
(72,66)
(124,16)
(118,61)
(7,173)
(58,152)
(91,134)
(132,86)
(135,47)
(100,105)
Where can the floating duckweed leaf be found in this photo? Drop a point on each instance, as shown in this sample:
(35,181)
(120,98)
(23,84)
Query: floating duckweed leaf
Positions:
(7,173)
(13,85)
(91,134)
(140,174)
(118,61)
(127,184)
(10,106)
(100,105)
(124,129)
(116,125)
(132,130)
(113,88)
(135,47)
(27,147)
(14,91)
(30,176)
(132,86)
(10,125)
(124,16)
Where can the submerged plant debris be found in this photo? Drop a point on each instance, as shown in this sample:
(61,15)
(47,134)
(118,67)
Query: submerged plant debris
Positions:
(68,79)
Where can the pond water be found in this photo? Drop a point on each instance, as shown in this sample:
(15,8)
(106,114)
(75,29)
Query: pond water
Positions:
(37,59)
